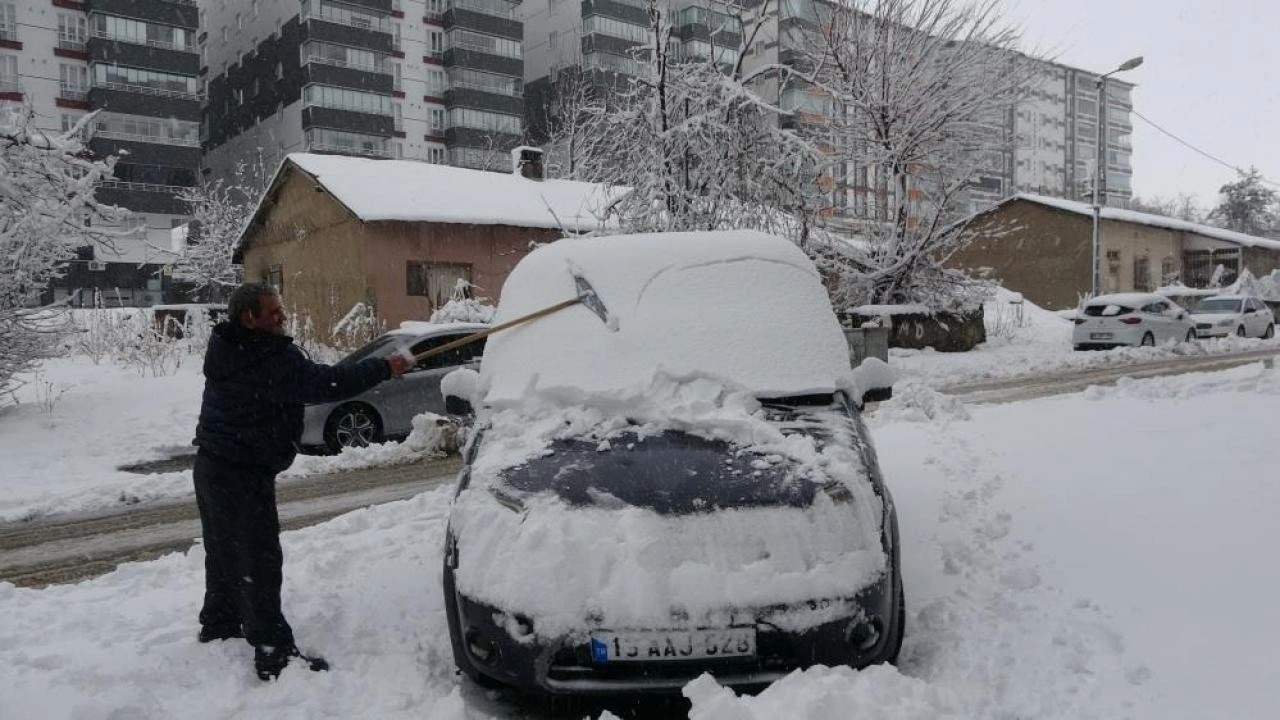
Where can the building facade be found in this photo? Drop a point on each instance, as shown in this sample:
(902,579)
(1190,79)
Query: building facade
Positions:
(1047,145)
(135,63)
(432,80)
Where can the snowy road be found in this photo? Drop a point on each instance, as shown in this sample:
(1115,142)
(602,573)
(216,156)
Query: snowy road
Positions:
(1061,382)
(70,548)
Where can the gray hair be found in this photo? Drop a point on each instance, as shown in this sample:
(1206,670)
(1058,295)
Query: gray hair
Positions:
(248,297)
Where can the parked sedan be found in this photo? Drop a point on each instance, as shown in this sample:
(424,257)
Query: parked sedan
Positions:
(387,410)
(1224,315)
(1109,321)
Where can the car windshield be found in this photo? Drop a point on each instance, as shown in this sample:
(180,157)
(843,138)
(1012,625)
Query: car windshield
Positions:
(1106,310)
(1218,305)
(676,472)
(375,348)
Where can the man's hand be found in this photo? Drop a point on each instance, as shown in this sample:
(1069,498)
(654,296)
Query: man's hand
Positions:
(398,364)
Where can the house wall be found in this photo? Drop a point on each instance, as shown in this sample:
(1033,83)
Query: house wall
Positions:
(1044,253)
(318,247)
(491,251)
(1261,261)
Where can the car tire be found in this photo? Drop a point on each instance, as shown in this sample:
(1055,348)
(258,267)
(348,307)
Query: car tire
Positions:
(352,425)
(899,628)
(1191,336)
(1077,347)
(1148,340)
(1240,332)
(1270,331)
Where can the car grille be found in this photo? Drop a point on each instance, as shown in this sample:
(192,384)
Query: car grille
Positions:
(1203,326)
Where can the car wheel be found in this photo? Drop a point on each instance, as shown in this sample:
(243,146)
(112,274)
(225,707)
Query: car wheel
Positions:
(1240,331)
(1270,332)
(352,425)
(1148,340)
(1077,347)
(899,629)
(1191,335)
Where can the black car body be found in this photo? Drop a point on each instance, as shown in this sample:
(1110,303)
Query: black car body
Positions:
(504,646)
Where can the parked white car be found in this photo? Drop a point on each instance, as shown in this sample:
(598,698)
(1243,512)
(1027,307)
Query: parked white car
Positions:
(1224,315)
(1109,321)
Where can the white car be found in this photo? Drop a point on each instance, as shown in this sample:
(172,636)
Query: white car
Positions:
(1224,315)
(1109,321)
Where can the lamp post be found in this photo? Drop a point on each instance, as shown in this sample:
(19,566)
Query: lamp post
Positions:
(1100,168)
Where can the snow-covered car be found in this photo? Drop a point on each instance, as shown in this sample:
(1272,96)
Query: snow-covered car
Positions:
(1109,321)
(1224,315)
(386,411)
(685,486)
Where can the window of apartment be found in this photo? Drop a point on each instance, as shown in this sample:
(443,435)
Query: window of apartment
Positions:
(396,42)
(8,22)
(73,81)
(344,99)
(397,118)
(148,129)
(469,40)
(343,56)
(275,278)
(435,7)
(435,281)
(73,31)
(8,72)
(68,123)
(482,120)
(435,43)
(145,33)
(347,142)
(239,22)
(614,28)
(396,82)
(344,15)
(1142,273)
(109,75)
(436,84)
(435,118)
(435,154)
(488,82)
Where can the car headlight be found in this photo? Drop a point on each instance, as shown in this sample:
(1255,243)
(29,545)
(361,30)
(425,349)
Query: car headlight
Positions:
(1224,323)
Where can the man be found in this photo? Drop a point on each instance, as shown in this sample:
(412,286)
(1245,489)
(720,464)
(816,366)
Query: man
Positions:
(256,383)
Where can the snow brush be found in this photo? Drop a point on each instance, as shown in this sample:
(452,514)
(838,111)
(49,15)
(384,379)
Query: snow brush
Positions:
(586,296)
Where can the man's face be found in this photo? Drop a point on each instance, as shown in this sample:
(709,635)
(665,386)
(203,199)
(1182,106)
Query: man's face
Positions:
(270,318)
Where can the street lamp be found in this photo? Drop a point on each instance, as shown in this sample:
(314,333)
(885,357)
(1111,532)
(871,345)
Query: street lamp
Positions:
(1100,168)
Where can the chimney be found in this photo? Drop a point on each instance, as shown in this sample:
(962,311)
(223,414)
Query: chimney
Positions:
(526,162)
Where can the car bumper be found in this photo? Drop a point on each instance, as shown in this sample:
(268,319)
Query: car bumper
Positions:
(1108,337)
(1212,332)
(565,666)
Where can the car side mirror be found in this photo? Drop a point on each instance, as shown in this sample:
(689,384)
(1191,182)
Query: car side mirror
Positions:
(459,388)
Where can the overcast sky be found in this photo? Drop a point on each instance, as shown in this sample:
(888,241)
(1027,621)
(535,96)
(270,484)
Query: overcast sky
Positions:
(1211,76)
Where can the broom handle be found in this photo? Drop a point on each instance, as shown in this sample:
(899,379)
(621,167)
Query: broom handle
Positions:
(489,331)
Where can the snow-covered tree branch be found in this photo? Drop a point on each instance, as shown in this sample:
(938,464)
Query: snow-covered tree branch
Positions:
(914,96)
(47,212)
(219,210)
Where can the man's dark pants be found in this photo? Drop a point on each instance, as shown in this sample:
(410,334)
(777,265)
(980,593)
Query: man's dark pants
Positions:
(243,561)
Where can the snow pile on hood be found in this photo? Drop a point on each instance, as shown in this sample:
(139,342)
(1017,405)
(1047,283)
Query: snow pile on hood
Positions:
(746,307)
(633,567)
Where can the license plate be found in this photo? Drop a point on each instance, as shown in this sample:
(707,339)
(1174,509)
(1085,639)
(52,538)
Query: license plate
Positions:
(669,645)
(1100,336)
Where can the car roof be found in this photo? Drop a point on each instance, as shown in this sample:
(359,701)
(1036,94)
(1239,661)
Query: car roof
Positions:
(415,328)
(1127,299)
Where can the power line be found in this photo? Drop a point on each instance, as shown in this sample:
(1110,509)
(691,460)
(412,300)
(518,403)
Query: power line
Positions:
(1218,160)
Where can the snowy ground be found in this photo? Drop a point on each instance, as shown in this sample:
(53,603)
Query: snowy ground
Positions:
(1098,555)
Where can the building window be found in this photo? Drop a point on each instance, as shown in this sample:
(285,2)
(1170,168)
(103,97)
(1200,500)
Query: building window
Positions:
(344,99)
(436,119)
(73,81)
(275,278)
(8,73)
(435,154)
(435,43)
(434,281)
(1168,271)
(8,22)
(161,82)
(1142,273)
(145,33)
(239,22)
(73,31)
(436,83)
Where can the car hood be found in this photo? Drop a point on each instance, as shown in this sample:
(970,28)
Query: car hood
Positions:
(1214,317)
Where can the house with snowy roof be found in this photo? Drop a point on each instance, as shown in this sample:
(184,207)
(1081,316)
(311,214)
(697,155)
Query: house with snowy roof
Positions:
(1042,247)
(332,231)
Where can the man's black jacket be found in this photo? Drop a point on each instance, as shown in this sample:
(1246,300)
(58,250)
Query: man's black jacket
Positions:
(255,386)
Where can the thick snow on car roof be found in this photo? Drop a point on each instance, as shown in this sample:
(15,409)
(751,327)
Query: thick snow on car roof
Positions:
(1126,299)
(742,307)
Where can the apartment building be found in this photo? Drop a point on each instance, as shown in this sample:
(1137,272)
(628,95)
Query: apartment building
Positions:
(432,80)
(1046,146)
(133,61)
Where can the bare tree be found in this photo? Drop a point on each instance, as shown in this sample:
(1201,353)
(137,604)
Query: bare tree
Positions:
(47,211)
(1183,207)
(918,94)
(698,146)
(220,210)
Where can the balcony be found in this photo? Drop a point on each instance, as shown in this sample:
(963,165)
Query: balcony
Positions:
(150,139)
(349,150)
(162,44)
(146,90)
(75,46)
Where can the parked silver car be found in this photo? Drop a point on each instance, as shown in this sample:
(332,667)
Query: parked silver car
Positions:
(1224,315)
(387,410)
